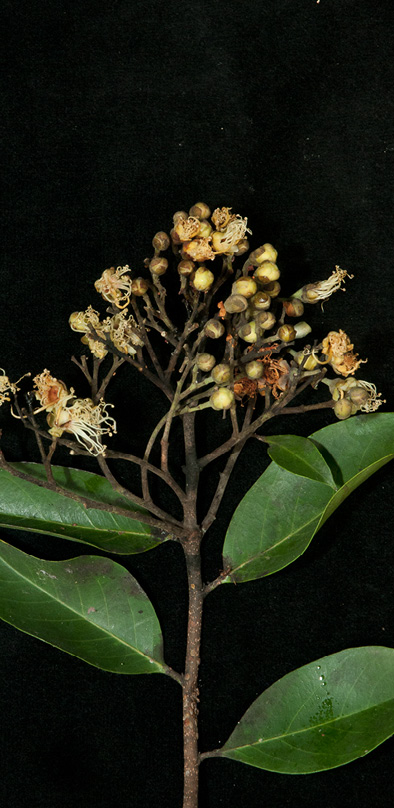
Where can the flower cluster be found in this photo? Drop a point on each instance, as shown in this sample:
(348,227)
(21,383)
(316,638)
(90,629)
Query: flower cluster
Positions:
(87,421)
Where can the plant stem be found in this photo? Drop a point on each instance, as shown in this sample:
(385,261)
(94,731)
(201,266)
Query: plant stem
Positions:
(190,685)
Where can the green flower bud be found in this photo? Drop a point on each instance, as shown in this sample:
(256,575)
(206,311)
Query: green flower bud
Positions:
(203,279)
(222,399)
(344,408)
(244,286)
(301,329)
(200,210)
(293,307)
(273,288)
(265,253)
(205,361)
(310,362)
(221,374)
(254,369)
(249,332)
(158,266)
(242,247)
(179,214)
(358,396)
(161,241)
(235,304)
(186,267)
(261,301)
(205,229)
(266,272)
(139,286)
(214,329)
(286,333)
(265,320)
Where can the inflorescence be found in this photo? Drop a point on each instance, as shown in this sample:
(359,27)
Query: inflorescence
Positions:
(230,348)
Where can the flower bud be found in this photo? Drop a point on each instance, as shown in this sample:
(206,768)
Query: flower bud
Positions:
(161,241)
(287,333)
(244,286)
(180,214)
(221,374)
(293,307)
(273,288)
(205,229)
(205,361)
(301,329)
(249,332)
(139,286)
(200,210)
(222,399)
(254,369)
(266,272)
(186,267)
(158,266)
(265,253)
(242,247)
(344,408)
(203,279)
(261,301)
(265,319)
(358,395)
(310,363)
(235,304)
(214,329)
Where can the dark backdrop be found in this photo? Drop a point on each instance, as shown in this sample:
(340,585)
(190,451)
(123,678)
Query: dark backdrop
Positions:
(117,114)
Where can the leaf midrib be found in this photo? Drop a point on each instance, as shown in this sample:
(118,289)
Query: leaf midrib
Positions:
(319,479)
(73,611)
(308,729)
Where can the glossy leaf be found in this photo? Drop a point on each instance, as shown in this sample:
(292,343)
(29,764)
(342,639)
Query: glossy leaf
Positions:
(90,607)
(320,716)
(300,456)
(26,506)
(277,519)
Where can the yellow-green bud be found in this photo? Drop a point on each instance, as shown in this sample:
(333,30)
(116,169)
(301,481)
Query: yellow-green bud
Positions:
(301,329)
(254,369)
(200,210)
(205,361)
(179,214)
(266,272)
(287,333)
(261,301)
(244,286)
(249,332)
(77,321)
(358,395)
(265,319)
(186,267)
(293,307)
(158,266)
(161,241)
(214,329)
(222,399)
(273,288)
(221,374)
(242,247)
(235,304)
(339,387)
(203,279)
(265,253)
(344,408)
(139,286)
(310,362)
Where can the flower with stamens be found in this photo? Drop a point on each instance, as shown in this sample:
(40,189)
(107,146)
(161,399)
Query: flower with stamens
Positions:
(185,229)
(316,292)
(88,422)
(222,217)
(50,392)
(225,241)
(373,400)
(123,332)
(114,286)
(339,352)
(199,249)
(88,322)
(5,386)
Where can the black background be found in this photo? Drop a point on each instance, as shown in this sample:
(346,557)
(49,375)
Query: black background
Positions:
(117,114)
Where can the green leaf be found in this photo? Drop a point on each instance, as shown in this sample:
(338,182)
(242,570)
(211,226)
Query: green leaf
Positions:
(90,607)
(319,716)
(277,519)
(26,506)
(300,456)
